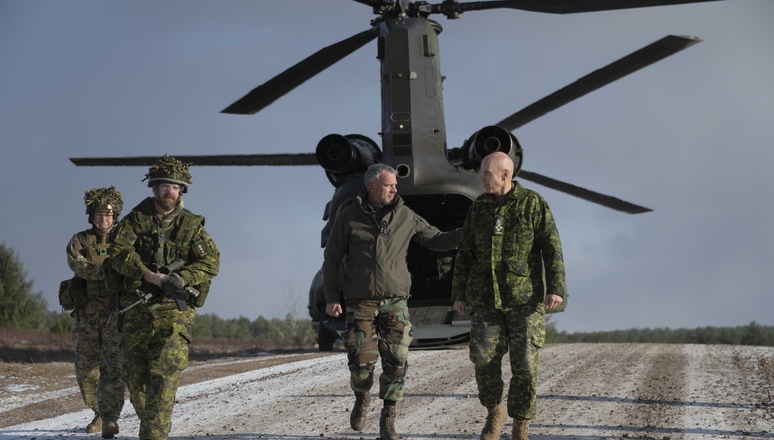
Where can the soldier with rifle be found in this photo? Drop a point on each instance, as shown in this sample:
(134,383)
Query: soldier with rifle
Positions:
(163,254)
(97,346)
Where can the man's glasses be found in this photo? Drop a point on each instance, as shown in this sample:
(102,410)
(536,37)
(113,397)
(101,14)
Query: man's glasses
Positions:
(169,187)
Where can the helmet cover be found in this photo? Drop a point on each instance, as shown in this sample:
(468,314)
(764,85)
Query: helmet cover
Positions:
(169,169)
(103,200)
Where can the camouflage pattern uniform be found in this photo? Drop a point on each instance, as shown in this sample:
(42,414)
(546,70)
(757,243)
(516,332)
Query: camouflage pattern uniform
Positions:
(374,328)
(97,347)
(499,274)
(370,244)
(156,342)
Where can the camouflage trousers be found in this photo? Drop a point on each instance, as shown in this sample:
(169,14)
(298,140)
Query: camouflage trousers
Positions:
(155,347)
(98,360)
(378,328)
(493,333)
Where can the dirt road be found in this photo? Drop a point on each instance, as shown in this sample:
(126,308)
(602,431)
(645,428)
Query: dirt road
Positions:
(586,391)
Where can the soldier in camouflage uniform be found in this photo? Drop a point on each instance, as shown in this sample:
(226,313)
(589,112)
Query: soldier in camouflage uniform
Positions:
(97,346)
(509,236)
(162,249)
(365,258)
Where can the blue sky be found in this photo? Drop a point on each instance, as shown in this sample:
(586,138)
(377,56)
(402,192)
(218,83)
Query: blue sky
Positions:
(690,137)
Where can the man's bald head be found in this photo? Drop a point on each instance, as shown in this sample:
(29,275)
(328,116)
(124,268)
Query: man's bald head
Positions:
(496,173)
(500,161)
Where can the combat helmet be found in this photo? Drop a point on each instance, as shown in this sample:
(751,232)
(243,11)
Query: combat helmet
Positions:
(103,200)
(169,169)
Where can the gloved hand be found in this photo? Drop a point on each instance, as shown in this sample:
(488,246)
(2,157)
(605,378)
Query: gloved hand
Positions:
(172,285)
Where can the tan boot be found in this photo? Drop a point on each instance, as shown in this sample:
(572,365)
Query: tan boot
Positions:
(357,418)
(95,425)
(520,429)
(495,421)
(109,429)
(387,424)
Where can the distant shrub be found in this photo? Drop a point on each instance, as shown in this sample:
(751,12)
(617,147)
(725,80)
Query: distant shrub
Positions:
(20,307)
(59,323)
(751,334)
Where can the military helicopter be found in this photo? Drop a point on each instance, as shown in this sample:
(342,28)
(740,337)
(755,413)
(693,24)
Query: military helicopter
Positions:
(436,181)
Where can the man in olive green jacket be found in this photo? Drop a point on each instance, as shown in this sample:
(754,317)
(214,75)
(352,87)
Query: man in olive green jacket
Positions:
(365,258)
(509,242)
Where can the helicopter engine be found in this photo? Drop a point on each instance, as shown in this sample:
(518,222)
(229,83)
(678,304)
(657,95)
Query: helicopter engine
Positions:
(341,156)
(345,160)
(487,141)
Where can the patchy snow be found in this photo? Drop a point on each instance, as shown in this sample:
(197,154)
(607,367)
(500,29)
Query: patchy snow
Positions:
(10,400)
(586,391)
(15,388)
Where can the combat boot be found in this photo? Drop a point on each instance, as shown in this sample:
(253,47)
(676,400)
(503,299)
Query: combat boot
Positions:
(387,424)
(109,429)
(357,418)
(520,429)
(495,421)
(95,425)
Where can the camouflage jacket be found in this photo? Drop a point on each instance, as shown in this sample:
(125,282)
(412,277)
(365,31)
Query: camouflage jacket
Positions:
(86,251)
(366,258)
(145,241)
(503,250)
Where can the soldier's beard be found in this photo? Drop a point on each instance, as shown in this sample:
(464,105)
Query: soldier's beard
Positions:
(167,202)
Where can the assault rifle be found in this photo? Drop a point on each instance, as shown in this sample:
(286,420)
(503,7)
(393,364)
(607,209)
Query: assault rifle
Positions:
(153,300)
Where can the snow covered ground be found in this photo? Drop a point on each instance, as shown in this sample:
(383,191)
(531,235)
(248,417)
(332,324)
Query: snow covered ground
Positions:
(586,391)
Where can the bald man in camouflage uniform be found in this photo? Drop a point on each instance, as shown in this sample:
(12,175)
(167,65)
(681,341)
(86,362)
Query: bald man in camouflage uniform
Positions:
(508,237)
(161,248)
(97,346)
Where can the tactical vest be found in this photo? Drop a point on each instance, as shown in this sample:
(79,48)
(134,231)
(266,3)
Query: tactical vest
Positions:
(160,247)
(96,250)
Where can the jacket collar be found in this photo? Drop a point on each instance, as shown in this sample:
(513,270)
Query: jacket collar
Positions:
(516,192)
(362,199)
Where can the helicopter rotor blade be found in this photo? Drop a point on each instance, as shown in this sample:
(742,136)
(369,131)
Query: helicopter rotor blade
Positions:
(583,193)
(296,75)
(569,6)
(616,70)
(284,159)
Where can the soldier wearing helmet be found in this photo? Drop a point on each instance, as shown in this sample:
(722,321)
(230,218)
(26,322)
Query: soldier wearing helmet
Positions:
(161,249)
(98,359)
(169,170)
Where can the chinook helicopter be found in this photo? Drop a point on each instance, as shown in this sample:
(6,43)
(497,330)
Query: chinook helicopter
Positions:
(437,182)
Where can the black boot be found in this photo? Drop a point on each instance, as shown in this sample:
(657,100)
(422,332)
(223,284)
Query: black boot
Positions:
(387,424)
(357,418)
